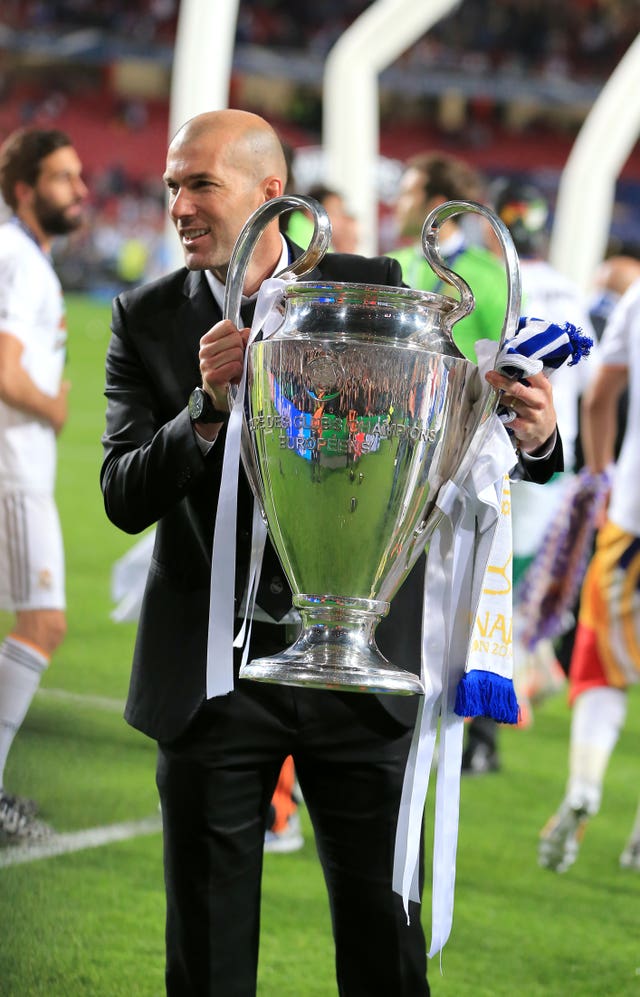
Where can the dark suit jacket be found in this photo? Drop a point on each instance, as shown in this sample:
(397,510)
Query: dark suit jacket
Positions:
(154,471)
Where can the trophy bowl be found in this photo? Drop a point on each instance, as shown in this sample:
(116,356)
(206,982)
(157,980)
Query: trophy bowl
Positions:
(357,411)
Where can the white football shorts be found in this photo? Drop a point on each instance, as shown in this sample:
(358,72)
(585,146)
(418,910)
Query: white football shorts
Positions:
(31,553)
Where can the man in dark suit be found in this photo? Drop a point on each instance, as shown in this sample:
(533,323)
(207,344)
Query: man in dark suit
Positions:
(219,759)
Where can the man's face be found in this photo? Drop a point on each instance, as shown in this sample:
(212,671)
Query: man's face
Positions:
(212,192)
(411,204)
(59,193)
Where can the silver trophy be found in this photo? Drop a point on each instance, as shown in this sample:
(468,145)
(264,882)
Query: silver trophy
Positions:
(358,410)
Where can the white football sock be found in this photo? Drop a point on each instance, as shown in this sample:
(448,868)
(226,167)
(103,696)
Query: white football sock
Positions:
(598,718)
(21,666)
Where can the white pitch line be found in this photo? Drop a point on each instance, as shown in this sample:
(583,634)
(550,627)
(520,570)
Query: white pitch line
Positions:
(75,841)
(83,699)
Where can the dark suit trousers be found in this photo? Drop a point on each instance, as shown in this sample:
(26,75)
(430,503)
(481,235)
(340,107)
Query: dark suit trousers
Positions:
(216,782)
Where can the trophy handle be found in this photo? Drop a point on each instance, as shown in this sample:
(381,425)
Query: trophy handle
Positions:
(251,232)
(430,229)
(238,265)
(488,399)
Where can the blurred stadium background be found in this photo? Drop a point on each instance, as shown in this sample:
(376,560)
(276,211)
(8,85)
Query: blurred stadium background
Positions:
(506,84)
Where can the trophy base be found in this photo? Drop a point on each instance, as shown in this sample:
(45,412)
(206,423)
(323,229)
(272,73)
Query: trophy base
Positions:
(336,652)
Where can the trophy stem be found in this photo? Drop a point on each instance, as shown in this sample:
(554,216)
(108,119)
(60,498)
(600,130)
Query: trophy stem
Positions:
(335,649)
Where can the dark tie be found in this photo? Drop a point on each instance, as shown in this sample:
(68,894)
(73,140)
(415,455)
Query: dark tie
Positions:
(274,594)
(246,313)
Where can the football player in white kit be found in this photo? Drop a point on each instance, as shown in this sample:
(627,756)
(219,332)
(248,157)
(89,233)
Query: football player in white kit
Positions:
(42,186)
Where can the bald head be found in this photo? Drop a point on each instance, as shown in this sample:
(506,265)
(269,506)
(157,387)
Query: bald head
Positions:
(221,167)
(244,138)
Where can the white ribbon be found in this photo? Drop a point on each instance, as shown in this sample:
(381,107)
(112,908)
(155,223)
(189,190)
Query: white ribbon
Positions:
(416,781)
(479,581)
(457,561)
(267,319)
(258,540)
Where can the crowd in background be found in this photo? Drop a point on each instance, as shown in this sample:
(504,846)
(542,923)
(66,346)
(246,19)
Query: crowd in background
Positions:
(122,136)
(579,39)
(584,37)
(147,20)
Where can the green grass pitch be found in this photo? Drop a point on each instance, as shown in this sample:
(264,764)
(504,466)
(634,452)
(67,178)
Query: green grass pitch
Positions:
(90,923)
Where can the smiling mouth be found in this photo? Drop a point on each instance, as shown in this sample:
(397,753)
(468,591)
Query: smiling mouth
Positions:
(192,235)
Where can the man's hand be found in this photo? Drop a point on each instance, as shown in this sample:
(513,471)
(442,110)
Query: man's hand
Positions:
(221,359)
(533,403)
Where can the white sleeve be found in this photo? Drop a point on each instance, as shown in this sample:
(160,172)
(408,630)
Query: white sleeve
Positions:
(614,345)
(16,299)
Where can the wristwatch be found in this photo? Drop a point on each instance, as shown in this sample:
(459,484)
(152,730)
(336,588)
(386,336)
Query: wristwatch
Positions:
(202,409)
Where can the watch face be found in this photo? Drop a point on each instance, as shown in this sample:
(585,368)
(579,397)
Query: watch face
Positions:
(202,409)
(196,403)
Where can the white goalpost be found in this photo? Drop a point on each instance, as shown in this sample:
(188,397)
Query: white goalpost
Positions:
(350,131)
(201,73)
(587,187)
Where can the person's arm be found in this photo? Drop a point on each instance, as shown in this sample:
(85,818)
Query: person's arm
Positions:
(599,416)
(539,467)
(19,391)
(599,408)
(151,456)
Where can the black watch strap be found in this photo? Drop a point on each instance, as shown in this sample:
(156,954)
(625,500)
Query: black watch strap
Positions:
(202,409)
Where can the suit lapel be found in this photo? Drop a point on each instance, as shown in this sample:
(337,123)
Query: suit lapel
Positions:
(197,311)
(203,308)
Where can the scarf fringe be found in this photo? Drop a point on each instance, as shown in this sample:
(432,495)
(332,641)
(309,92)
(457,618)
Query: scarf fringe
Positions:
(485,694)
(580,344)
